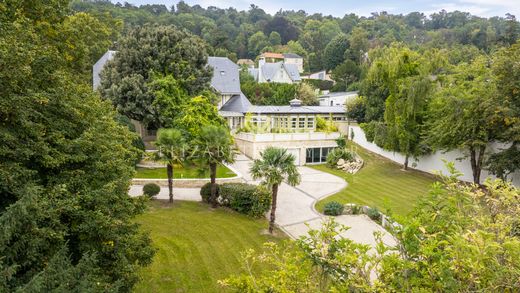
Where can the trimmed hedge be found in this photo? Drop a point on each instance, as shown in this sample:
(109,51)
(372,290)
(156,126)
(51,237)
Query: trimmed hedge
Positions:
(323,85)
(244,198)
(151,189)
(333,208)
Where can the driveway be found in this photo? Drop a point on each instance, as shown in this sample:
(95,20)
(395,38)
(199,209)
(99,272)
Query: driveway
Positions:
(295,211)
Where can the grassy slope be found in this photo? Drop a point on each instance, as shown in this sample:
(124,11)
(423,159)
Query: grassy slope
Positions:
(380,183)
(196,246)
(180,172)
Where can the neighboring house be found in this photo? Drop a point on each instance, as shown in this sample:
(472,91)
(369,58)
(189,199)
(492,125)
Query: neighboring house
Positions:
(247,62)
(337,99)
(275,72)
(270,57)
(98,66)
(321,75)
(291,58)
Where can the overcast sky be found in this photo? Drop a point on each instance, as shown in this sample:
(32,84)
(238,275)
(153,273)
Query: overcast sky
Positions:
(339,8)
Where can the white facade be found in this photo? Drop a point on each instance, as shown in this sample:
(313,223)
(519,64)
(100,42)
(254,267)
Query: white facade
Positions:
(430,163)
(297,61)
(337,99)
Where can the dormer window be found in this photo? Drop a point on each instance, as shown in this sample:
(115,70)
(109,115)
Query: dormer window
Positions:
(222,72)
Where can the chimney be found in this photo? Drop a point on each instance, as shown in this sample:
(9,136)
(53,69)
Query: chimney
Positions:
(261,63)
(295,103)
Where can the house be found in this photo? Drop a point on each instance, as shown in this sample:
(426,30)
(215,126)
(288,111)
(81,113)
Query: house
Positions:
(246,62)
(275,72)
(337,98)
(98,66)
(293,127)
(254,128)
(291,58)
(270,57)
(321,75)
(225,80)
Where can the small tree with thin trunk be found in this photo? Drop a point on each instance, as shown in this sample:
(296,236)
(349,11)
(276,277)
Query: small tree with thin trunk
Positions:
(275,165)
(215,146)
(171,151)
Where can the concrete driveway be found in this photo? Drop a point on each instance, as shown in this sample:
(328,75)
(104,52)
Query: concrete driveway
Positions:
(295,213)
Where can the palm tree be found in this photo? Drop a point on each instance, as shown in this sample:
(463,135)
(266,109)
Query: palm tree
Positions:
(275,165)
(215,146)
(171,151)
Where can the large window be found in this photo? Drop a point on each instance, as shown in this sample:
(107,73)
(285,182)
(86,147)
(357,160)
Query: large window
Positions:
(317,155)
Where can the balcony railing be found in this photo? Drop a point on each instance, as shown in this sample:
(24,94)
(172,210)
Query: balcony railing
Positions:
(261,137)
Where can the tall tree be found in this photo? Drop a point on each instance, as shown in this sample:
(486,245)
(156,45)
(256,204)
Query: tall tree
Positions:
(465,113)
(149,50)
(171,151)
(65,167)
(274,166)
(334,53)
(214,146)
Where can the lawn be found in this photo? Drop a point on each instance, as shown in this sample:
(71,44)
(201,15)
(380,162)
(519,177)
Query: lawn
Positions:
(182,172)
(380,183)
(196,246)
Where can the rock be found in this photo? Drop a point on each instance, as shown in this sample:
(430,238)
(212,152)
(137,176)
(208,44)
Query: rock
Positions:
(341,162)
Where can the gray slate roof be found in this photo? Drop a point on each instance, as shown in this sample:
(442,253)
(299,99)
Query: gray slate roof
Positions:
(292,70)
(98,66)
(291,55)
(269,70)
(336,94)
(253,72)
(237,103)
(225,75)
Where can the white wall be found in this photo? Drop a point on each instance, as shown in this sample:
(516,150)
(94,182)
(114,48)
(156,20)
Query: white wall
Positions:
(430,163)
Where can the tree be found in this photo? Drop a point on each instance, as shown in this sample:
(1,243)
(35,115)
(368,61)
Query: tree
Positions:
(358,40)
(148,50)
(356,108)
(334,53)
(256,43)
(275,39)
(214,146)
(346,74)
(307,94)
(465,113)
(66,167)
(506,69)
(197,113)
(172,147)
(275,166)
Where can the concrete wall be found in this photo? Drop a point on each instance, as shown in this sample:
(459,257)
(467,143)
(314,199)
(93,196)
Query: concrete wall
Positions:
(252,144)
(429,163)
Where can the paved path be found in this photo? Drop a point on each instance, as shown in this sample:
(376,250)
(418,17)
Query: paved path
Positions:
(295,209)
(295,206)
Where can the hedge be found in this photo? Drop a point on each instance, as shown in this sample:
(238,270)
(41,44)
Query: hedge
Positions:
(245,198)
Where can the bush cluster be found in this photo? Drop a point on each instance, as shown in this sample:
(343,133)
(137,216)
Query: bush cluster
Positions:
(374,214)
(339,153)
(151,189)
(333,208)
(205,192)
(244,198)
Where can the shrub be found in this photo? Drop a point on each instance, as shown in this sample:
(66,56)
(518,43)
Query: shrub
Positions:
(333,208)
(323,85)
(336,154)
(324,125)
(356,210)
(245,198)
(205,192)
(151,189)
(374,214)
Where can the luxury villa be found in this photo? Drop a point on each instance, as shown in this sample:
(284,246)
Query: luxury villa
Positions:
(292,126)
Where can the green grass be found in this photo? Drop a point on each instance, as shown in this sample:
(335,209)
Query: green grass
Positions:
(196,246)
(182,172)
(380,183)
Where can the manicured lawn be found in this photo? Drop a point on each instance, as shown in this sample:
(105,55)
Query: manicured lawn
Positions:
(182,172)
(380,183)
(196,246)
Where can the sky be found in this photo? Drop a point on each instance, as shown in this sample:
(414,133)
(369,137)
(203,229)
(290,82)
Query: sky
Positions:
(485,8)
